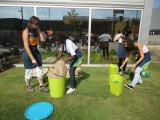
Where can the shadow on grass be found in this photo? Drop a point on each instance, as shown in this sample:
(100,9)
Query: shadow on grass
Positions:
(78,80)
(68,81)
(45,80)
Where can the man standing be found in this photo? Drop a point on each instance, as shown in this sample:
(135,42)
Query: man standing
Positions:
(104,43)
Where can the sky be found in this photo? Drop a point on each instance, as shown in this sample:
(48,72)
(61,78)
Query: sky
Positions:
(57,13)
(156,3)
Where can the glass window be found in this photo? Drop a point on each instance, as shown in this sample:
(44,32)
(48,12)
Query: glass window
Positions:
(111,23)
(12,22)
(69,21)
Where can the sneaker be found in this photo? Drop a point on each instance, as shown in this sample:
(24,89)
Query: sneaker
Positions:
(68,86)
(30,88)
(128,86)
(121,72)
(43,88)
(81,76)
(70,90)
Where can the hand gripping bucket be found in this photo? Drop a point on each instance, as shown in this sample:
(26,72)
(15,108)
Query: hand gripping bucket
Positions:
(57,87)
(113,69)
(116,84)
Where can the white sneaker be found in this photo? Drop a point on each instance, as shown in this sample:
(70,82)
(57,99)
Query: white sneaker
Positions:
(68,86)
(70,90)
(121,72)
(81,76)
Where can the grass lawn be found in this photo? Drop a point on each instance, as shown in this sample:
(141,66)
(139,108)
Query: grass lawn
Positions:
(92,99)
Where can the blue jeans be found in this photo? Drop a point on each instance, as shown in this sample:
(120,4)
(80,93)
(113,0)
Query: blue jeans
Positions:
(73,68)
(72,76)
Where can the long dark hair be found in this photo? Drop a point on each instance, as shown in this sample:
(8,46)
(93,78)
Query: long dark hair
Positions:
(130,44)
(33,20)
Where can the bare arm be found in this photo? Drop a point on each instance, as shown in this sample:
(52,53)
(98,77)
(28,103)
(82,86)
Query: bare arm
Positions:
(41,36)
(116,38)
(59,55)
(26,45)
(125,61)
(139,46)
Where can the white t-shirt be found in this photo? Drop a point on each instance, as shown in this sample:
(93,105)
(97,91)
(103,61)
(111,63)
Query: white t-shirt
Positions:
(120,39)
(105,37)
(70,47)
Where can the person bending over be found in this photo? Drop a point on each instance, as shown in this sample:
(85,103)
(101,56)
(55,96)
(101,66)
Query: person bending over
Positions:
(142,56)
(68,47)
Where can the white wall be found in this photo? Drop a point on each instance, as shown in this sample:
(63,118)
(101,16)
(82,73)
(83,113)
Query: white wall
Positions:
(145,22)
(155,24)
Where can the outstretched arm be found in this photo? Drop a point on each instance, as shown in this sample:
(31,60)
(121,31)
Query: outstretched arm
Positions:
(125,61)
(59,55)
(139,46)
(116,38)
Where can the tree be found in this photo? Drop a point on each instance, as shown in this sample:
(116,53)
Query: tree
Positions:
(71,22)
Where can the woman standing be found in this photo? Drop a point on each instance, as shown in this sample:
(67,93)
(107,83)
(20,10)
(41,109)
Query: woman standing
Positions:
(121,52)
(31,57)
(142,55)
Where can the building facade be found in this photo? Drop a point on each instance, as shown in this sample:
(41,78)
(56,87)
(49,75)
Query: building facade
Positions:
(78,18)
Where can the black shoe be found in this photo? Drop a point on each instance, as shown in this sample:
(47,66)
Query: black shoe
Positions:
(128,86)
(139,83)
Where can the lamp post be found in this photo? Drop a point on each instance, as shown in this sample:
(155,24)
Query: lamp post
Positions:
(21,13)
(21,17)
(49,13)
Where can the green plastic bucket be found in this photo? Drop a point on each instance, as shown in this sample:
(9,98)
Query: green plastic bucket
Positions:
(116,84)
(57,87)
(113,69)
(95,56)
(98,56)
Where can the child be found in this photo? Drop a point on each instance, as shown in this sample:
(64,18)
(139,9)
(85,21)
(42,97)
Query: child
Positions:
(67,46)
(121,52)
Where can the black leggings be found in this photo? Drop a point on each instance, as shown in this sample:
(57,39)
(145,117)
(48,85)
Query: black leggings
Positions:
(120,63)
(106,51)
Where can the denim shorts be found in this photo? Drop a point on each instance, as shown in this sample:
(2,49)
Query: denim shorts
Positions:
(147,58)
